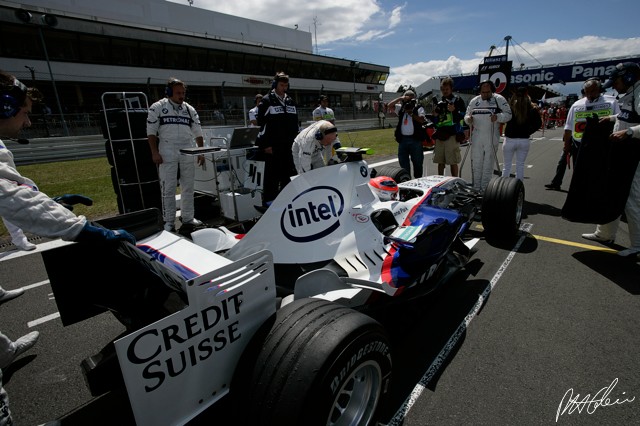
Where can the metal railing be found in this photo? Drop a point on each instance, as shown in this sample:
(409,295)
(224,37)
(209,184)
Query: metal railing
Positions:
(88,141)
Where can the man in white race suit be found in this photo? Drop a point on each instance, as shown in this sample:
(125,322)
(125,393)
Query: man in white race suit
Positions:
(484,115)
(308,147)
(172,124)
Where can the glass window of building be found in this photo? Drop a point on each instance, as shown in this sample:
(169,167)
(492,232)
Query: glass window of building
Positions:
(235,62)
(197,59)
(175,56)
(93,49)
(267,66)
(217,61)
(61,46)
(124,52)
(151,54)
(20,41)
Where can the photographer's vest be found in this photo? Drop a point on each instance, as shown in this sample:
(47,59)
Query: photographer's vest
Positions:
(600,107)
(446,120)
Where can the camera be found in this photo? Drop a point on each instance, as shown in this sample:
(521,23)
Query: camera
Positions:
(442,107)
(410,105)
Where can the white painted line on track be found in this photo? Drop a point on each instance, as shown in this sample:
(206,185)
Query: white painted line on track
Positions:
(437,363)
(35,285)
(42,320)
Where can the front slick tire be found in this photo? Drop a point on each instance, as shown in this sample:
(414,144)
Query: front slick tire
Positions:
(321,364)
(502,206)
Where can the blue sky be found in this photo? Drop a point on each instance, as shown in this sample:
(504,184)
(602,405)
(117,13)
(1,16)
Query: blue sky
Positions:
(419,39)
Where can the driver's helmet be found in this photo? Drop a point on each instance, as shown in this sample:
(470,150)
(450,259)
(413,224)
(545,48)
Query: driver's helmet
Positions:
(384,187)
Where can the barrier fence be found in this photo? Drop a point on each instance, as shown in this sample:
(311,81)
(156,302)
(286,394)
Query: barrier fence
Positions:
(89,142)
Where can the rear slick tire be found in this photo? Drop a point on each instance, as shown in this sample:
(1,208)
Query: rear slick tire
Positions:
(321,364)
(502,206)
(396,173)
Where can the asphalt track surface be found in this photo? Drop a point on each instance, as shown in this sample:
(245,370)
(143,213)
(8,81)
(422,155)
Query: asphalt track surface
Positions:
(540,330)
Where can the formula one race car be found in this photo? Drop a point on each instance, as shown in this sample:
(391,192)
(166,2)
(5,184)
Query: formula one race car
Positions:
(278,318)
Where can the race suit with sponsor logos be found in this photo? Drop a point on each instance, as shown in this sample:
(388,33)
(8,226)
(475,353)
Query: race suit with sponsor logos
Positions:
(485,135)
(278,121)
(308,152)
(176,126)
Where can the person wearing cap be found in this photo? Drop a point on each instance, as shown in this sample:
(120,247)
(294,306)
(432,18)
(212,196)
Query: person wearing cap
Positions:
(592,102)
(409,132)
(525,121)
(308,147)
(278,121)
(253,112)
(625,79)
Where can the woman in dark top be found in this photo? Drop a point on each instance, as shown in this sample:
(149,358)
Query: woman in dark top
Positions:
(525,121)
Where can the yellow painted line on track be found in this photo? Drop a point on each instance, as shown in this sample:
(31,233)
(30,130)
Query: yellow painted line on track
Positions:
(565,242)
(574,244)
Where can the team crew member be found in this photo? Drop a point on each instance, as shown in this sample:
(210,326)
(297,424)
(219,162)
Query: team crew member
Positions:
(484,114)
(308,147)
(625,79)
(27,207)
(17,236)
(278,121)
(172,124)
(253,112)
(593,102)
(323,112)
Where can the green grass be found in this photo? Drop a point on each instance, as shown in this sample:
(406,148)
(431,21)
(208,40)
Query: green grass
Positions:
(92,177)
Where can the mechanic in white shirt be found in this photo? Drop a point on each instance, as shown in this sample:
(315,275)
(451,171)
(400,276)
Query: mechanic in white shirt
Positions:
(308,147)
(323,112)
(253,112)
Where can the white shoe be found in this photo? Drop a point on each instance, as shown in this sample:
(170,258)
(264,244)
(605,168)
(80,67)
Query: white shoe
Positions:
(169,226)
(23,244)
(629,252)
(22,345)
(193,222)
(596,237)
(7,295)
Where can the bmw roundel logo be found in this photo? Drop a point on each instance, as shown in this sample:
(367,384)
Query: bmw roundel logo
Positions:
(313,214)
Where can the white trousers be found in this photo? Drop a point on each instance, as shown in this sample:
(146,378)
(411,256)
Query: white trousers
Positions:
(515,147)
(15,232)
(482,161)
(168,174)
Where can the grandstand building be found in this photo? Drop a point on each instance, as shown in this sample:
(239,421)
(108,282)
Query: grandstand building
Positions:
(84,48)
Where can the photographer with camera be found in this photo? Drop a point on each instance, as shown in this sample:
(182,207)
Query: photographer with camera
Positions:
(448,116)
(409,132)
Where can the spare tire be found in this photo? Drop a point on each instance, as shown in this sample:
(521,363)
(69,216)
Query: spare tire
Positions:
(320,364)
(502,206)
(394,172)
